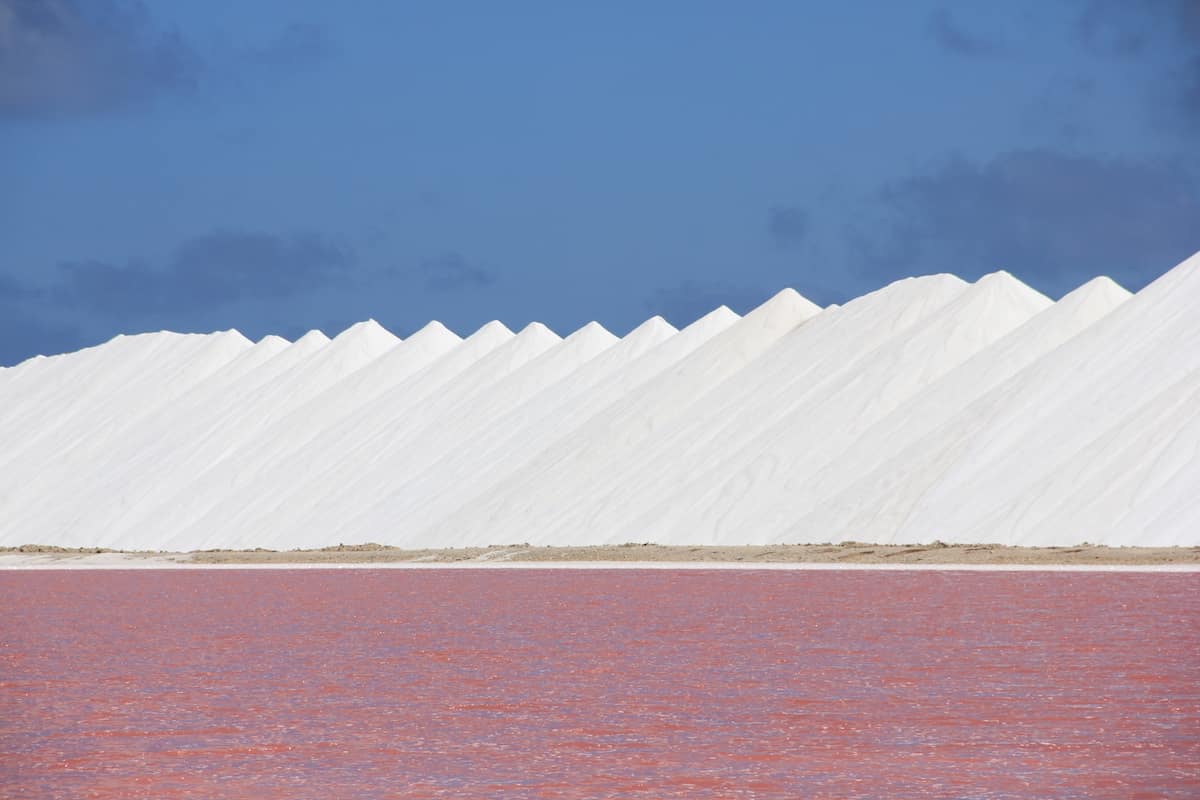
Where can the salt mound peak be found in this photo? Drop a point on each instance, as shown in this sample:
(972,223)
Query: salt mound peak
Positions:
(295,353)
(935,284)
(897,298)
(177,336)
(536,331)
(654,325)
(932,276)
(313,339)
(938,279)
(142,343)
(432,330)
(1004,283)
(354,347)
(1099,287)
(367,333)
(231,336)
(591,331)
(785,303)
(260,353)
(491,331)
(934,408)
(721,315)
(1000,278)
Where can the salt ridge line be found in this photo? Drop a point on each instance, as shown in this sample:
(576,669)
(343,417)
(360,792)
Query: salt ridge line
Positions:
(55,371)
(134,457)
(931,406)
(458,427)
(1072,397)
(529,500)
(750,402)
(38,366)
(404,376)
(70,434)
(768,469)
(1110,403)
(436,488)
(220,511)
(525,444)
(297,427)
(803,360)
(325,473)
(222,427)
(39,410)
(1038,417)
(123,479)
(133,460)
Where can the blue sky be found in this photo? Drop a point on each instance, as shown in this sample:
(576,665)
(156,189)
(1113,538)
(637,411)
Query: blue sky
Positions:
(278,166)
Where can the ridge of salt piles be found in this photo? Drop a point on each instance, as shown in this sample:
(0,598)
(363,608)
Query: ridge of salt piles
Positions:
(931,409)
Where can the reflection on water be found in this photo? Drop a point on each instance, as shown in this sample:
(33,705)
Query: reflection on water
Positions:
(587,684)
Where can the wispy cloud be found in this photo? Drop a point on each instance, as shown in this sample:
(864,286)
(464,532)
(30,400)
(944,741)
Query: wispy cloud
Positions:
(27,327)
(951,36)
(1054,217)
(66,57)
(1170,29)
(787,226)
(71,58)
(24,335)
(300,44)
(450,272)
(207,271)
(686,302)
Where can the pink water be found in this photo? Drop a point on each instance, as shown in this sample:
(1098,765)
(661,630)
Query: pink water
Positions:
(614,683)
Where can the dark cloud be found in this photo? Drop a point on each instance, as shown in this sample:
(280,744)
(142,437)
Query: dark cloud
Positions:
(228,265)
(1188,93)
(1168,28)
(69,57)
(13,290)
(1188,14)
(1116,27)
(206,272)
(430,198)
(202,281)
(95,286)
(1051,218)
(450,272)
(787,226)
(1129,27)
(954,38)
(1065,109)
(26,329)
(686,302)
(23,335)
(298,45)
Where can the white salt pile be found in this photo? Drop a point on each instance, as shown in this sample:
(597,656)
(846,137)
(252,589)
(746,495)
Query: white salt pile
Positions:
(930,409)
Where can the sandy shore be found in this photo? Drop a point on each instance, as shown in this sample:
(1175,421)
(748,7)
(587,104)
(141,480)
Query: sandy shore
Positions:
(845,554)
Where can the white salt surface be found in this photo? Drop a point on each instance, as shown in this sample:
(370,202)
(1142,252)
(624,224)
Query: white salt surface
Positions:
(323,476)
(65,438)
(930,409)
(753,403)
(530,503)
(499,445)
(459,422)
